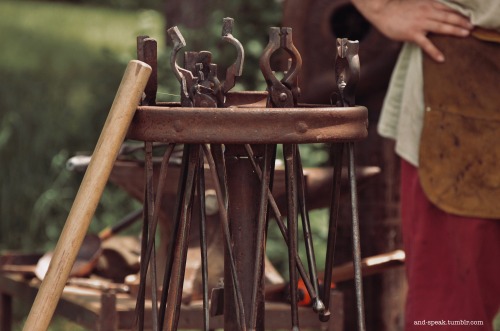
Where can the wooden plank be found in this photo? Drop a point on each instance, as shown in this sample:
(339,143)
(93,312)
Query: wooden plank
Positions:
(108,317)
(83,307)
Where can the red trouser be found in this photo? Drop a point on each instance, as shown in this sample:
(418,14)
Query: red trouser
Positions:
(452,263)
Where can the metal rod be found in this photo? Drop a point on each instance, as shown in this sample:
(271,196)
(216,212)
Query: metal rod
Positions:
(147,52)
(227,238)
(203,242)
(261,231)
(147,242)
(306,227)
(290,154)
(179,266)
(279,220)
(220,165)
(154,286)
(149,215)
(141,296)
(173,239)
(356,242)
(337,154)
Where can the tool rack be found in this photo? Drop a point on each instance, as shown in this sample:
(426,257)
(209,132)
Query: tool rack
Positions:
(234,135)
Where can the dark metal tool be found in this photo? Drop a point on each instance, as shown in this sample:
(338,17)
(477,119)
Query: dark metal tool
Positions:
(175,234)
(347,76)
(336,155)
(281,225)
(356,242)
(148,233)
(261,230)
(227,238)
(207,91)
(200,87)
(284,93)
(181,246)
(184,76)
(317,304)
(203,242)
(347,71)
(147,52)
(289,153)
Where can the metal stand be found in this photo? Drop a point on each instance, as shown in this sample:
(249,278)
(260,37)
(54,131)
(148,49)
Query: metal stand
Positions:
(237,133)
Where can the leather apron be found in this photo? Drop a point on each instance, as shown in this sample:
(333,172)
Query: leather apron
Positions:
(459,161)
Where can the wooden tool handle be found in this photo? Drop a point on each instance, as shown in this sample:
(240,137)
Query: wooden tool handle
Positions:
(112,135)
(124,223)
(369,266)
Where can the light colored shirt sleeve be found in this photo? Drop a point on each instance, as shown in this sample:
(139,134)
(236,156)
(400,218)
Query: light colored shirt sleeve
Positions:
(403,108)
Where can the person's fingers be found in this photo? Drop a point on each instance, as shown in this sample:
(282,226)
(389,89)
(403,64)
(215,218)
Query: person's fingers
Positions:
(446,14)
(429,48)
(447,29)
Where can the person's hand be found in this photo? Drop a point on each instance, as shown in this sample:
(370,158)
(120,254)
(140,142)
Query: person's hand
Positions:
(411,20)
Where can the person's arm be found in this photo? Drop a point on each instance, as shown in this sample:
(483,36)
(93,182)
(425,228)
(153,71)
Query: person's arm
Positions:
(411,20)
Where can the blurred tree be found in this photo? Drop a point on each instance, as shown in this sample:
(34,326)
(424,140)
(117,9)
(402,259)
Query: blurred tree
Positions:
(58,77)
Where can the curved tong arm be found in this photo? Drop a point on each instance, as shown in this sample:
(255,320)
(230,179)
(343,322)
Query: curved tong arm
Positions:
(185,77)
(236,69)
(292,75)
(264,62)
(347,70)
(179,43)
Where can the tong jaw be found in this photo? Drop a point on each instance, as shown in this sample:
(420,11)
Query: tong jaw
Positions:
(207,92)
(285,92)
(347,70)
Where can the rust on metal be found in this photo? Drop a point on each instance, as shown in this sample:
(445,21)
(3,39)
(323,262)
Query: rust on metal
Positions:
(217,125)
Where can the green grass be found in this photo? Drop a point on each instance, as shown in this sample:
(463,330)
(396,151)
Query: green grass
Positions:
(60,66)
(57,324)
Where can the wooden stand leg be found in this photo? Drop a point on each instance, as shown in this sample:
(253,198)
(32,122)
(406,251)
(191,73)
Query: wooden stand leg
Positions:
(243,214)
(108,318)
